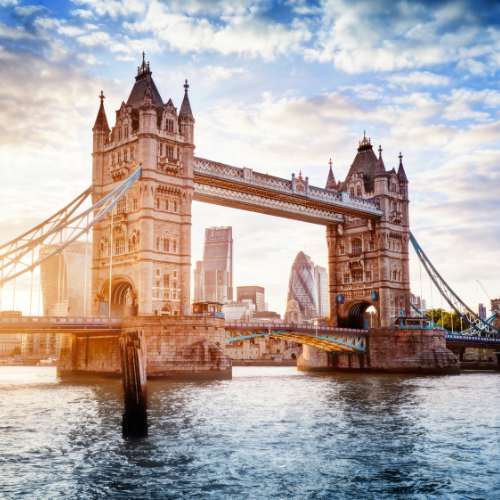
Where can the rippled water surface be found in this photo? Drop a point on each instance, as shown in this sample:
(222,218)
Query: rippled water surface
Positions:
(270,433)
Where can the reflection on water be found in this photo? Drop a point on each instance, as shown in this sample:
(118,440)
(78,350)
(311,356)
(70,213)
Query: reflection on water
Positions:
(270,433)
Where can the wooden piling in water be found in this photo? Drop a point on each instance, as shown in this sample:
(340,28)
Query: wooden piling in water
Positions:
(133,359)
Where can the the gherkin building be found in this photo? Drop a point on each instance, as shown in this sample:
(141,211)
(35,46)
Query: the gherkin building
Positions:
(302,286)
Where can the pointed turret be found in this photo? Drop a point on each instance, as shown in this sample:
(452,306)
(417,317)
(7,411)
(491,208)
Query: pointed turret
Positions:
(101,122)
(142,81)
(401,171)
(380,170)
(331,185)
(186,119)
(186,107)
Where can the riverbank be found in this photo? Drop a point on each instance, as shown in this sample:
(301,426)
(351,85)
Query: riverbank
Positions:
(264,362)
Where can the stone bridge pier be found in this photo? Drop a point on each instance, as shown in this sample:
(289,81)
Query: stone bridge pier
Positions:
(391,350)
(186,347)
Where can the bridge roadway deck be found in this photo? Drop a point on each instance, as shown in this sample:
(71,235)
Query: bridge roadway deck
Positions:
(94,326)
(321,336)
(324,337)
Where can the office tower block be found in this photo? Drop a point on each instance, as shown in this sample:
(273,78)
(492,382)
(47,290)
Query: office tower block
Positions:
(217,267)
(302,286)
(198,282)
(255,293)
(321,278)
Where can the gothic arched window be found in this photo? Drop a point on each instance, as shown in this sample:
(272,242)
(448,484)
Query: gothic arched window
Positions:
(158,244)
(356,245)
(166,245)
(174,249)
(157,203)
(358,191)
(135,204)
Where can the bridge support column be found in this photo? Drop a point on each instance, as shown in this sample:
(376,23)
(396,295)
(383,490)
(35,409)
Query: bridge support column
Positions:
(313,359)
(133,359)
(331,241)
(182,347)
(496,361)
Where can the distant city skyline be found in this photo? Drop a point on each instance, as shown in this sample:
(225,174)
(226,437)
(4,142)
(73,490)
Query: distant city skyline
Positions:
(290,94)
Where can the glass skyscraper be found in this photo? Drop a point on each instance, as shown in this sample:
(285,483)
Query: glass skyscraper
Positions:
(321,278)
(302,286)
(216,277)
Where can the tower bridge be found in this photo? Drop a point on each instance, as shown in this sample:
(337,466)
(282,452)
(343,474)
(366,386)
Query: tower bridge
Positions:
(144,179)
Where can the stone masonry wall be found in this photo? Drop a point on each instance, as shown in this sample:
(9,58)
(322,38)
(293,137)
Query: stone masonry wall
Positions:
(183,347)
(389,350)
(410,350)
(180,347)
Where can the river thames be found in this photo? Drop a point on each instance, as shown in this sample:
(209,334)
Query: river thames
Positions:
(270,433)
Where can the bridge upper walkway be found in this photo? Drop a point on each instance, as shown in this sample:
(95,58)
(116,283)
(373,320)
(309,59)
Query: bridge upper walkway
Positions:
(245,189)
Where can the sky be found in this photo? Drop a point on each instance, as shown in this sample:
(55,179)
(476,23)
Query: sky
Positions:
(280,87)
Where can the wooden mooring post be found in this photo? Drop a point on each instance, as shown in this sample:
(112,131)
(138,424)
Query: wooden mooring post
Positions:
(133,359)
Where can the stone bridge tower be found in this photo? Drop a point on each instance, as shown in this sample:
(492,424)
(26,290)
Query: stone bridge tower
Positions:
(148,245)
(368,259)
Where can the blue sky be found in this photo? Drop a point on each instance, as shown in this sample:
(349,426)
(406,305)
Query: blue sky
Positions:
(278,87)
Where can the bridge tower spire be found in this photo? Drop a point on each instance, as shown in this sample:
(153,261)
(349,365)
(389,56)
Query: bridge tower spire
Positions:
(331,185)
(101,133)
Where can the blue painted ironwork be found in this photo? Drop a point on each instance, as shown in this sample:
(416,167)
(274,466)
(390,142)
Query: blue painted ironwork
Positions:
(473,340)
(326,338)
(457,304)
(62,229)
(469,331)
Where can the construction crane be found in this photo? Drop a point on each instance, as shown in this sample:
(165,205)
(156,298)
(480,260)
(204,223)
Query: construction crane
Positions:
(484,290)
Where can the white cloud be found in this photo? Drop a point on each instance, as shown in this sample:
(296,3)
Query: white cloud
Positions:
(126,58)
(215,73)
(70,31)
(367,91)
(8,3)
(46,23)
(27,10)
(86,14)
(419,78)
(412,36)
(113,8)
(461,102)
(95,39)
(15,32)
(88,58)
(241,34)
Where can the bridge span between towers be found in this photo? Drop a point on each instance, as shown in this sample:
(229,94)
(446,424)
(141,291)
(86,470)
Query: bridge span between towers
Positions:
(245,189)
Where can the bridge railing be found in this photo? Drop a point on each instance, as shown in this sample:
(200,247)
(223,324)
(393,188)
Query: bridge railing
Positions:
(62,320)
(288,326)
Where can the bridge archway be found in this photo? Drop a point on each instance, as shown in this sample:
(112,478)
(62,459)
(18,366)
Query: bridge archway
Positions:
(354,313)
(123,297)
